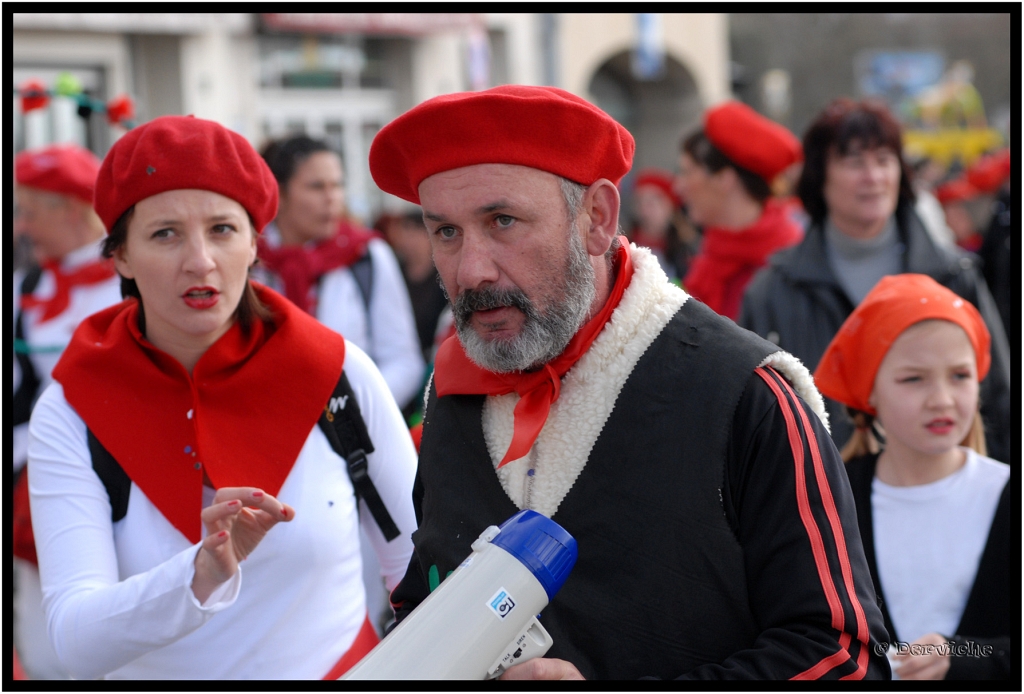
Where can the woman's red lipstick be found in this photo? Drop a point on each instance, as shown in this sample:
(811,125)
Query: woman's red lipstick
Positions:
(201,297)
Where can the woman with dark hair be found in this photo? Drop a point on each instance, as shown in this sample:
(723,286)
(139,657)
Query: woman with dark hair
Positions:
(856,188)
(334,269)
(725,175)
(187,422)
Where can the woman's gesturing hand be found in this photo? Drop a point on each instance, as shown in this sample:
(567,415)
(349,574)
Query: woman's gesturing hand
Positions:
(235,523)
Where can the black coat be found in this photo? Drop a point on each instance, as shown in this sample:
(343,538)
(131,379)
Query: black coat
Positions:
(987,619)
(797,303)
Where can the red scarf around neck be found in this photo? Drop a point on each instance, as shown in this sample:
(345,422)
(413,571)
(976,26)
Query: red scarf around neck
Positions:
(456,374)
(300,267)
(729,258)
(65,281)
(243,415)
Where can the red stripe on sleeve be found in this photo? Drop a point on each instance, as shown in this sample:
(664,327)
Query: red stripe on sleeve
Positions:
(837,531)
(813,532)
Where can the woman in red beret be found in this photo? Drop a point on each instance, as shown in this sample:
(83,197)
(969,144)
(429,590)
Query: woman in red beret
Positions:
(189,421)
(659,223)
(933,510)
(725,175)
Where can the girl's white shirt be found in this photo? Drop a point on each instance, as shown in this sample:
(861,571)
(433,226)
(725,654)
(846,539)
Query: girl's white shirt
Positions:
(928,542)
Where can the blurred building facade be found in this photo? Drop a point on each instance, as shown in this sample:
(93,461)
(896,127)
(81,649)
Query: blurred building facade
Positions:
(341,77)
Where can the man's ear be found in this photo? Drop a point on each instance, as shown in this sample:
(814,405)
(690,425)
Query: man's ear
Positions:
(601,204)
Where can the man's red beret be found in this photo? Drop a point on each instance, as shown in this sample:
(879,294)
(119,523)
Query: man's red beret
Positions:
(660,179)
(540,127)
(750,140)
(183,152)
(66,169)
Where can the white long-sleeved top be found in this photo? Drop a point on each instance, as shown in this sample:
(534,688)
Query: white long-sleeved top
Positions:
(387,332)
(117,595)
(46,341)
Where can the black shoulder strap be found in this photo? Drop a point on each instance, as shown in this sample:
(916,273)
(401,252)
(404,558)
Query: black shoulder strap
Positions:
(113,477)
(362,270)
(344,427)
(28,388)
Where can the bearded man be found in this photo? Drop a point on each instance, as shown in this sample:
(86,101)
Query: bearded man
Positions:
(716,530)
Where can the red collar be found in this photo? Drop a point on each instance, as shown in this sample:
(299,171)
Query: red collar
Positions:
(456,374)
(243,415)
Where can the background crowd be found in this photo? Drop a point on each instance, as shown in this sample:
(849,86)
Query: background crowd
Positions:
(788,234)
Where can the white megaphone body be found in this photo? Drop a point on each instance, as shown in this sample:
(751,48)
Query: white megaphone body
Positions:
(482,619)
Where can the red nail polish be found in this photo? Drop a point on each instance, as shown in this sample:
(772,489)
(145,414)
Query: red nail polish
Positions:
(257,493)
(235,502)
(222,533)
(284,512)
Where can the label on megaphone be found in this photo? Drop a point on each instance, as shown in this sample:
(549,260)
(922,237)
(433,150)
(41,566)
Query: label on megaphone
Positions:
(482,619)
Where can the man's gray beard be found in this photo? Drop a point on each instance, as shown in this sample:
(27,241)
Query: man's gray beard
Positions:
(544,335)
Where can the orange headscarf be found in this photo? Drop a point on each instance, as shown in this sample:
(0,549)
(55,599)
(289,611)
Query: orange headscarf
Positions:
(847,370)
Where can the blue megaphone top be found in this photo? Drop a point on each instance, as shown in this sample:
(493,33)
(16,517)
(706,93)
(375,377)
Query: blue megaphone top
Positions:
(542,545)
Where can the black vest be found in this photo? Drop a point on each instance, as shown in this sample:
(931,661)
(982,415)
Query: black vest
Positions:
(659,587)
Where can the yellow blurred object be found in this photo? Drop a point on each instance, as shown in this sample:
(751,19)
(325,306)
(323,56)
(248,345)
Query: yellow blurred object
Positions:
(947,145)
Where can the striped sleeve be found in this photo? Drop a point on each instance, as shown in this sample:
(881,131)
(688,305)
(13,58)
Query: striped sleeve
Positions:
(788,500)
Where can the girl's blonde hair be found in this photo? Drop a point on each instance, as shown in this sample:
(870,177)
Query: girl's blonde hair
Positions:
(869,437)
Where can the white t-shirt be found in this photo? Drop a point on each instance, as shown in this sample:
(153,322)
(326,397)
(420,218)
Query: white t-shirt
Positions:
(118,597)
(928,541)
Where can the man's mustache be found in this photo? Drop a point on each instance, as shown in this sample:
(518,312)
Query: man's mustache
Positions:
(489,298)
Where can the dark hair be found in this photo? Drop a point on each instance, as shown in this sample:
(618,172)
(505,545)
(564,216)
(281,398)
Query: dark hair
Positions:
(284,156)
(843,124)
(250,308)
(702,151)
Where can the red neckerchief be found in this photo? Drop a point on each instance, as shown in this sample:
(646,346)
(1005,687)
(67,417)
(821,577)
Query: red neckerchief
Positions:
(729,258)
(456,374)
(243,415)
(301,267)
(90,273)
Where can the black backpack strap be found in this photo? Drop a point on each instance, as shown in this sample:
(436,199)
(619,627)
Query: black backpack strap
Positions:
(362,270)
(25,396)
(113,477)
(344,427)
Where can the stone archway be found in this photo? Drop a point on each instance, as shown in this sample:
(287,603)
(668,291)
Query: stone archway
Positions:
(657,112)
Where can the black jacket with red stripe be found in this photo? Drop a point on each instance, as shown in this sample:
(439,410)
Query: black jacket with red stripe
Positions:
(716,529)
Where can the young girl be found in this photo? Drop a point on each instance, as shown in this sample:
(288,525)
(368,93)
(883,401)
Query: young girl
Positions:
(933,510)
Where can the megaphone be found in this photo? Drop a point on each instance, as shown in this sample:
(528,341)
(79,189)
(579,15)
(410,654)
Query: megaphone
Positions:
(483,618)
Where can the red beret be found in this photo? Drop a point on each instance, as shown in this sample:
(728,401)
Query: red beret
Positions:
(846,372)
(540,127)
(750,140)
(956,190)
(183,152)
(661,179)
(66,169)
(988,173)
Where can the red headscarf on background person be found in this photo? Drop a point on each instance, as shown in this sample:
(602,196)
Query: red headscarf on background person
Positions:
(543,128)
(846,372)
(253,397)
